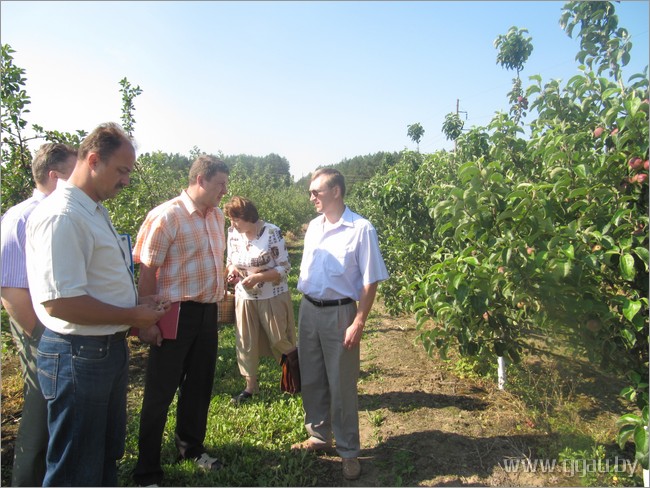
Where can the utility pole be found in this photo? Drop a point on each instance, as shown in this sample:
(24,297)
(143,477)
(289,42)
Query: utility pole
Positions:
(458,111)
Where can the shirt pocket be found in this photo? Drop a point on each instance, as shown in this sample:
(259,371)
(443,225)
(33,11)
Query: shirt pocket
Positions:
(336,262)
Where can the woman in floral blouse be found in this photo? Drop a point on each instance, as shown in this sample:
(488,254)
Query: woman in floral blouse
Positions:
(258,263)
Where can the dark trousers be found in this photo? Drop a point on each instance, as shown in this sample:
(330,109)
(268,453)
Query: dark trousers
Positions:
(186,364)
(31,441)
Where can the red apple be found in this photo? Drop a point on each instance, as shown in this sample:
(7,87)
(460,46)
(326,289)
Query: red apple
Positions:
(598,131)
(614,132)
(635,163)
(646,165)
(530,250)
(641,178)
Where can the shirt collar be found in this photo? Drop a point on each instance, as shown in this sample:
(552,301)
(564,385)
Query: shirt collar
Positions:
(38,194)
(80,196)
(347,218)
(191,206)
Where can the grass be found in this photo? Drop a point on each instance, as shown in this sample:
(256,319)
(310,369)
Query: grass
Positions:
(252,439)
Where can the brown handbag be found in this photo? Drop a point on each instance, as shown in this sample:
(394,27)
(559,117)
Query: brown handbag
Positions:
(290,373)
(226,309)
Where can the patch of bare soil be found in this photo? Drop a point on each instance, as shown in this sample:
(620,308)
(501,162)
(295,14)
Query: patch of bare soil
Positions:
(421,425)
(12,405)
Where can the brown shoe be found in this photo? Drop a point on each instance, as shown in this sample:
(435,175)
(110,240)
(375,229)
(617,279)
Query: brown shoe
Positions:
(351,468)
(312,445)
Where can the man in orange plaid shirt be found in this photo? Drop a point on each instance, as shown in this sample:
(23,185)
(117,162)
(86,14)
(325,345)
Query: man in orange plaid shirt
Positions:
(180,248)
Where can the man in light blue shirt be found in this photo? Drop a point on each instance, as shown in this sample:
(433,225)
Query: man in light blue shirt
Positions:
(51,163)
(339,274)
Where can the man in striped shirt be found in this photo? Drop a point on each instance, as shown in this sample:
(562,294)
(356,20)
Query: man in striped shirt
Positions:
(180,248)
(51,163)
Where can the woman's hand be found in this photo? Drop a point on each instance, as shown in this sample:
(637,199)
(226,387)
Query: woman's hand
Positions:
(252,280)
(233,276)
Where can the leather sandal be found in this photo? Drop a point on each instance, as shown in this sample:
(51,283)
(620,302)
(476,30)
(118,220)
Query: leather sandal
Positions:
(243,397)
(312,445)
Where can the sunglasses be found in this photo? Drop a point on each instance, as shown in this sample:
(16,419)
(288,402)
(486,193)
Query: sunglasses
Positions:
(314,193)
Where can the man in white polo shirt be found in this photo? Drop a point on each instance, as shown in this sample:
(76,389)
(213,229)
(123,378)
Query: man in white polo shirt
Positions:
(341,265)
(83,292)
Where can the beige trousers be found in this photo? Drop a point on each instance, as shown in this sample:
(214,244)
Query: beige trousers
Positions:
(328,375)
(264,328)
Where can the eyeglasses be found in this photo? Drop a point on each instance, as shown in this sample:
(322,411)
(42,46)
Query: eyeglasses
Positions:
(314,193)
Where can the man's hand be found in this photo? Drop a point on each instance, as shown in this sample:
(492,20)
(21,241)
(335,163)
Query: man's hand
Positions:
(151,335)
(155,301)
(353,334)
(147,315)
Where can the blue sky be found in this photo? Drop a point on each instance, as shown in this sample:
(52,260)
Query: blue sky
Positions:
(315,82)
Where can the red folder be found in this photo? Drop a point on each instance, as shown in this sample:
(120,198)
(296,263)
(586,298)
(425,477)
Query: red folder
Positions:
(168,323)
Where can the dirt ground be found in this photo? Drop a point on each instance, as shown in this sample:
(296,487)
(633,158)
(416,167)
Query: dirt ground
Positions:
(421,423)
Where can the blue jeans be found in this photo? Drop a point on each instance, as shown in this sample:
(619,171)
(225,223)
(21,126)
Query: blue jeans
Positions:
(84,381)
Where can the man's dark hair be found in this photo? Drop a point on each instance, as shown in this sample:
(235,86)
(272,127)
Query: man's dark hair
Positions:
(105,140)
(207,166)
(50,157)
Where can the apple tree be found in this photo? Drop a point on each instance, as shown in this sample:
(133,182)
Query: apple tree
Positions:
(546,233)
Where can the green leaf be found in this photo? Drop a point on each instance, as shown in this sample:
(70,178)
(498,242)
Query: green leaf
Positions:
(629,336)
(578,192)
(569,251)
(629,393)
(626,265)
(610,91)
(457,280)
(631,308)
(628,419)
(641,444)
(517,194)
(642,252)
(624,435)
(468,172)
(580,170)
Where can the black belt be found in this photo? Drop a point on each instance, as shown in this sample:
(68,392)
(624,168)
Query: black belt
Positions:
(120,335)
(192,303)
(328,303)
